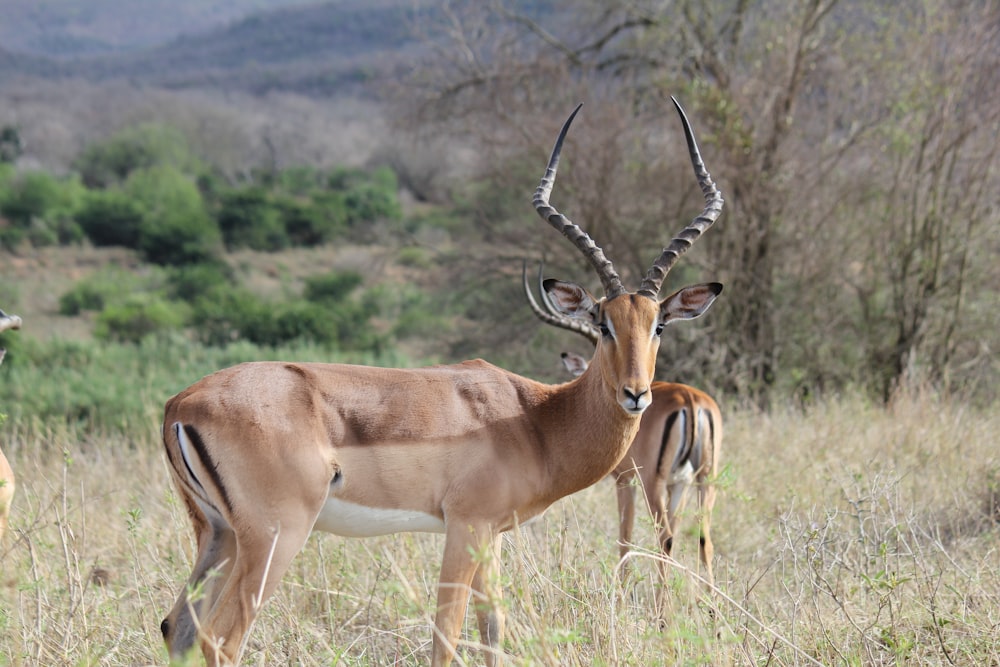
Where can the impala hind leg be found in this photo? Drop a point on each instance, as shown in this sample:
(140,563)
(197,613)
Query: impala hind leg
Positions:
(666,505)
(263,555)
(706,502)
(213,563)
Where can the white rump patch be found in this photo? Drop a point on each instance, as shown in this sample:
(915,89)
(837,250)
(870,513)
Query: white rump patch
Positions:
(685,475)
(351,520)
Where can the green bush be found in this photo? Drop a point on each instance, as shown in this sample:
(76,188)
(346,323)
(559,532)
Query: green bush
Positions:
(220,316)
(312,223)
(370,202)
(331,287)
(40,208)
(140,147)
(193,281)
(235,313)
(176,228)
(299,181)
(108,286)
(110,218)
(138,317)
(248,218)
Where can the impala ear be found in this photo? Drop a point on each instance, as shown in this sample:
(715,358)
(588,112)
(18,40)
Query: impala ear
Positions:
(688,303)
(574,363)
(570,299)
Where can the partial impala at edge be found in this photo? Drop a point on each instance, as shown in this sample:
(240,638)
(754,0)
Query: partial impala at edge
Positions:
(264,453)
(6,472)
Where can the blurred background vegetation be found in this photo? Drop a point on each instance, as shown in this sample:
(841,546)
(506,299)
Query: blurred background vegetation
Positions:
(351,180)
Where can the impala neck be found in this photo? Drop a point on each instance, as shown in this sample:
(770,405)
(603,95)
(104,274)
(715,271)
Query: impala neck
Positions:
(593,433)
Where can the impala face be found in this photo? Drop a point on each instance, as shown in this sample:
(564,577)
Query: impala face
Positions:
(264,453)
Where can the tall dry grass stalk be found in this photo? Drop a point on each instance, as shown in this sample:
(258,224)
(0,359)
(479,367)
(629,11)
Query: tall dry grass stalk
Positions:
(845,534)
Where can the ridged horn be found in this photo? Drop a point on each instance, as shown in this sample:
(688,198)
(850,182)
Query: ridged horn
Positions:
(605,269)
(713,208)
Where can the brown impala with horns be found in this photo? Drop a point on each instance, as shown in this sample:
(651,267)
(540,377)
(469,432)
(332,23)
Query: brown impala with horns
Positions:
(264,453)
(678,444)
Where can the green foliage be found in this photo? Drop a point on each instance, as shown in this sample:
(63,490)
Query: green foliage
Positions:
(107,286)
(40,208)
(110,217)
(176,228)
(325,317)
(331,287)
(249,218)
(415,257)
(299,181)
(138,317)
(371,202)
(315,222)
(193,281)
(139,147)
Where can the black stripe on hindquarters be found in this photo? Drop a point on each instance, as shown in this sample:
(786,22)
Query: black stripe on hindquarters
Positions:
(210,465)
(666,438)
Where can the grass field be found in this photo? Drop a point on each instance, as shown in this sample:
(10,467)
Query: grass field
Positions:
(846,534)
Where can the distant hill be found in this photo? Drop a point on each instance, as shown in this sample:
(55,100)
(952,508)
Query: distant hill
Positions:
(73,28)
(318,50)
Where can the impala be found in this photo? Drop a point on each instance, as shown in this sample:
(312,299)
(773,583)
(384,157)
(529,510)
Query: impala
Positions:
(264,453)
(6,472)
(678,443)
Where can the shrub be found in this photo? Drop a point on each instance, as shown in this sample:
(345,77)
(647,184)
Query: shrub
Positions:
(415,257)
(137,318)
(335,286)
(220,316)
(110,217)
(175,229)
(299,181)
(193,281)
(371,202)
(319,221)
(249,218)
(40,208)
(140,147)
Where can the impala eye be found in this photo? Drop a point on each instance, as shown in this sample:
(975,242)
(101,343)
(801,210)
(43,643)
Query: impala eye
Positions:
(605,331)
(659,328)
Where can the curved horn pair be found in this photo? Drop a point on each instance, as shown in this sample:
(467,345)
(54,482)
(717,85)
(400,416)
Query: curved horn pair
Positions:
(651,284)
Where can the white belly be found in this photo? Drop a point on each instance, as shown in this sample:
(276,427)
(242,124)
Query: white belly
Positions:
(350,520)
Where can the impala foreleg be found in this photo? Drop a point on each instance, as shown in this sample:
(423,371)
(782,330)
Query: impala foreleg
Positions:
(488,597)
(467,547)
(665,532)
(625,489)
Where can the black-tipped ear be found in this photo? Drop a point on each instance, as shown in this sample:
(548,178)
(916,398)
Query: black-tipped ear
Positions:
(569,298)
(690,302)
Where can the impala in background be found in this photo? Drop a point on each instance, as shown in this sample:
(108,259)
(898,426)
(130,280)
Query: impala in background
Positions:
(678,444)
(264,453)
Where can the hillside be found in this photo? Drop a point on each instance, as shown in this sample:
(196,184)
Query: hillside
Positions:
(67,29)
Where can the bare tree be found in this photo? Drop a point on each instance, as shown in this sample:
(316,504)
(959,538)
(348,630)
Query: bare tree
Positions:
(840,236)
(937,191)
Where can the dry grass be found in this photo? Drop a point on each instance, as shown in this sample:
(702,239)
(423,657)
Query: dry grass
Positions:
(846,534)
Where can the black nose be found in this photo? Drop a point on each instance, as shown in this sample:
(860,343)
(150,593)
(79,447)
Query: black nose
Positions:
(634,397)
(165,628)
